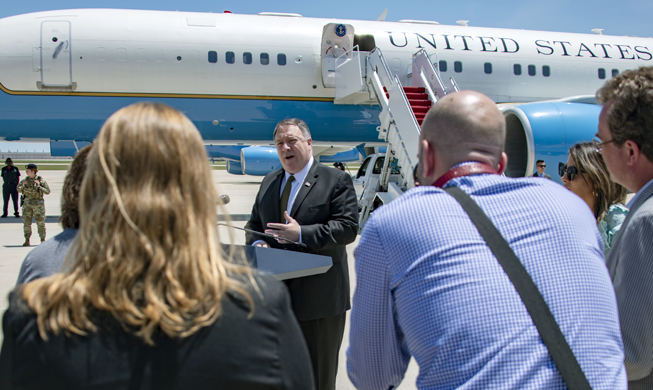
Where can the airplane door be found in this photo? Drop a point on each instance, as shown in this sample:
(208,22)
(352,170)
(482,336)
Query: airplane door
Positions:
(337,39)
(55,54)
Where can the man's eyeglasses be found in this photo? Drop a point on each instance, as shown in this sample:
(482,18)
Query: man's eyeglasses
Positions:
(571,171)
(542,166)
(599,145)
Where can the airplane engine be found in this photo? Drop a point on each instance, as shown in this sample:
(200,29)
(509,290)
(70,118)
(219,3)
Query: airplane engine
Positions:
(231,152)
(234,167)
(545,131)
(259,160)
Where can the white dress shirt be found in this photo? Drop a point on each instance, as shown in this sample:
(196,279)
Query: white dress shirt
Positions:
(294,189)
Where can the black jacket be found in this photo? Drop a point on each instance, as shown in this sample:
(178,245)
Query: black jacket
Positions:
(327,211)
(264,352)
(10,175)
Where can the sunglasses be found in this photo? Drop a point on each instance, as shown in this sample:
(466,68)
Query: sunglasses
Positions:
(571,171)
(542,166)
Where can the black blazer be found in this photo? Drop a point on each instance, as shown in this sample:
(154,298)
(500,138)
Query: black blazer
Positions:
(327,211)
(264,352)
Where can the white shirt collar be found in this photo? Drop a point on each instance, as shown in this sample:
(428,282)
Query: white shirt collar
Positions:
(301,175)
(632,201)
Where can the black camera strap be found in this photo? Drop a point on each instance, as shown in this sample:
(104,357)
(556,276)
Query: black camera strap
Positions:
(540,313)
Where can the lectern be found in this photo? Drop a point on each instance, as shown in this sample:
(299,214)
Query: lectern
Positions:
(285,264)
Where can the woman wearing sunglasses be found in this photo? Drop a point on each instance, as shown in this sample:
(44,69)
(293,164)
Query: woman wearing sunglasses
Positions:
(586,175)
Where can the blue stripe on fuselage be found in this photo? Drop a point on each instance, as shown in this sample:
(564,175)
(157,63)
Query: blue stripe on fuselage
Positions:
(81,117)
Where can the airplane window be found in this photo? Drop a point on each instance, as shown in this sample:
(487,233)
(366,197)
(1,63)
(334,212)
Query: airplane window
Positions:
(378,166)
(265,58)
(281,59)
(615,72)
(458,66)
(213,57)
(488,68)
(546,71)
(363,169)
(602,73)
(230,57)
(442,65)
(247,58)
(516,68)
(531,70)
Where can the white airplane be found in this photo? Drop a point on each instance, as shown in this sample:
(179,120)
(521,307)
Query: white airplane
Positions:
(62,73)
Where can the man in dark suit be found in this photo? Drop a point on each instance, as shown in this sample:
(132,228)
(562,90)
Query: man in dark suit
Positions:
(315,205)
(541,166)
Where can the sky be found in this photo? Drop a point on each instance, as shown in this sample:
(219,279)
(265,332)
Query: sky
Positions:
(625,17)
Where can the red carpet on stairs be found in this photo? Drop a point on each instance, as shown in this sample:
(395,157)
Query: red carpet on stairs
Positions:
(419,102)
(418,99)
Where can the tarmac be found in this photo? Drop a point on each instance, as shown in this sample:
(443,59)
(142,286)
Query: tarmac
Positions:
(241,190)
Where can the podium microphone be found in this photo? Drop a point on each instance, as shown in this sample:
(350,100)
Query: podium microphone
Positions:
(300,244)
(225,199)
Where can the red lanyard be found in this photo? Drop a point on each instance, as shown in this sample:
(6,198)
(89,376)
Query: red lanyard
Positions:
(464,170)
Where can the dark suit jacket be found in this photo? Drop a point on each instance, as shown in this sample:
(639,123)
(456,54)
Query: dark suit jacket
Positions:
(546,175)
(327,211)
(266,351)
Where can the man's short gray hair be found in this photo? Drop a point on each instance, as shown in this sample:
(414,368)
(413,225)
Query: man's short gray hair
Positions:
(631,115)
(306,133)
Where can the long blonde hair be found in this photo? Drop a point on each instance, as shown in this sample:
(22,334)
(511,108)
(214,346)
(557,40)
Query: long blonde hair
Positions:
(147,250)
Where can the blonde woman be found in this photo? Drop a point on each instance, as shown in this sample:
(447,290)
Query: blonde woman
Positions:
(150,300)
(586,175)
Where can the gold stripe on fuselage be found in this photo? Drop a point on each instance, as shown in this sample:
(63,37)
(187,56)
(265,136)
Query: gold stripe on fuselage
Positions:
(163,95)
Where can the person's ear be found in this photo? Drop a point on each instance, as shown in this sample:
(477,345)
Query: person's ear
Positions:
(427,161)
(632,152)
(503,163)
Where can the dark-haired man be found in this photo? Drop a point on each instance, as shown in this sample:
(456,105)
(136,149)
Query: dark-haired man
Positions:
(315,205)
(10,178)
(626,134)
(541,166)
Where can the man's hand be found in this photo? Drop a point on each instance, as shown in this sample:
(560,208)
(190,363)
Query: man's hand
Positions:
(37,183)
(262,244)
(289,231)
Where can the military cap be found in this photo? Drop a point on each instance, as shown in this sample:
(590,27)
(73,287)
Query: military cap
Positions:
(31,166)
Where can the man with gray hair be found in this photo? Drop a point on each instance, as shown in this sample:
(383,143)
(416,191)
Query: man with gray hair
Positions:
(626,134)
(316,206)
(428,285)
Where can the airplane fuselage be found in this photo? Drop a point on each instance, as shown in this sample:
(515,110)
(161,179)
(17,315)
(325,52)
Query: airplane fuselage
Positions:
(62,73)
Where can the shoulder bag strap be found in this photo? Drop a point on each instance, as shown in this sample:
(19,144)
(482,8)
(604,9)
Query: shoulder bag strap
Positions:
(549,330)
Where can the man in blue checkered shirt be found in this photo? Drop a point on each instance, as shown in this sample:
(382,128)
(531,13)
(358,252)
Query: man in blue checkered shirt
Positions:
(429,287)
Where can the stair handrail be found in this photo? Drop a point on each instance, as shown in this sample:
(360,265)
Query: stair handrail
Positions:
(429,76)
(375,58)
(409,132)
(454,84)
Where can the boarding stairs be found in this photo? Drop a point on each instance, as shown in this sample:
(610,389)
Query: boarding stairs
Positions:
(365,78)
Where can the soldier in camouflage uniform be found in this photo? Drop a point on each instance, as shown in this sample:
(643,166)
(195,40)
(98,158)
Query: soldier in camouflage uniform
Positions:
(33,187)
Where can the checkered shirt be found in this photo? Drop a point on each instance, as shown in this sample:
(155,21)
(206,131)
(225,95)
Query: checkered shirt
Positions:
(429,287)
